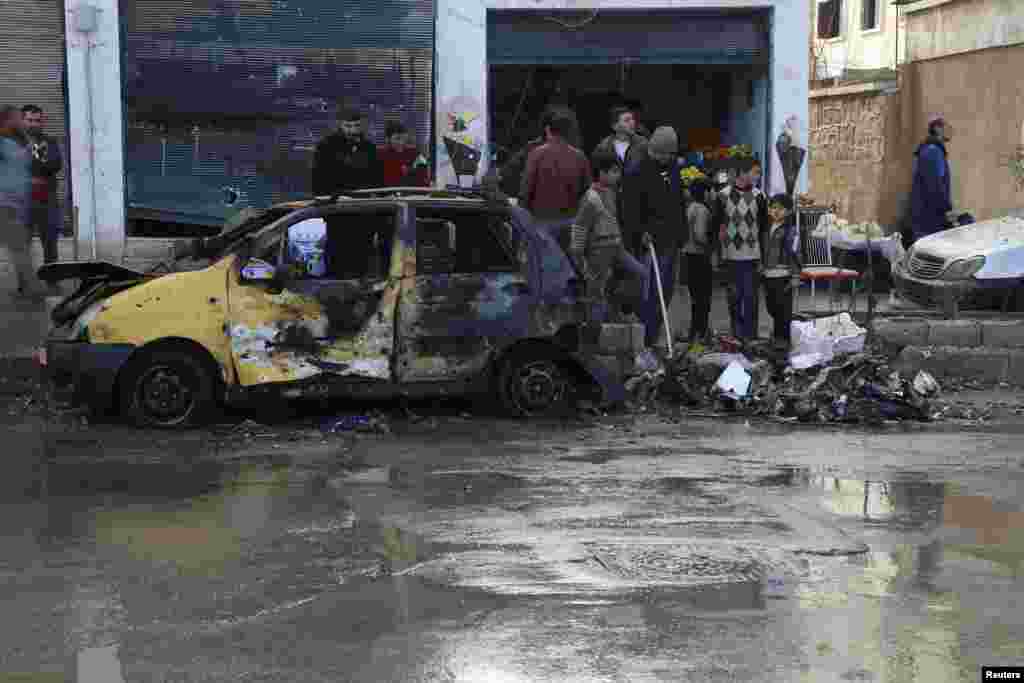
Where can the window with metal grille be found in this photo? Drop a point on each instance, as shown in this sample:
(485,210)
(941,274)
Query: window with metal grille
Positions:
(829,13)
(869,15)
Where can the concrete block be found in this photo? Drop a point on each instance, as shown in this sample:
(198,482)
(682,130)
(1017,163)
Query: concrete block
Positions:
(618,366)
(903,331)
(1004,334)
(621,338)
(965,333)
(1015,373)
(983,364)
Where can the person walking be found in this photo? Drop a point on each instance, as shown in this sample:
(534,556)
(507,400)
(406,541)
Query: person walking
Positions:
(557,175)
(931,200)
(44,216)
(15,192)
(596,245)
(653,205)
(346,160)
(697,251)
(740,213)
(781,266)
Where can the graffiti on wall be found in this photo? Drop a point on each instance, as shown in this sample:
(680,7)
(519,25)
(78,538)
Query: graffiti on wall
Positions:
(463,132)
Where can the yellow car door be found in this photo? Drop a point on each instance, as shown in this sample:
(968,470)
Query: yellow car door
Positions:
(326,309)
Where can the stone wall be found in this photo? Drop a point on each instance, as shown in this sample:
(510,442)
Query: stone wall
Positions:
(851,148)
(980,94)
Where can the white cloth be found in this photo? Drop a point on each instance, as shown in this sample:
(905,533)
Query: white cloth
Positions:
(621,147)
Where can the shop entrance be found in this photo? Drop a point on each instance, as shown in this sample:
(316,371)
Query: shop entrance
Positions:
(704,72)
(708,105)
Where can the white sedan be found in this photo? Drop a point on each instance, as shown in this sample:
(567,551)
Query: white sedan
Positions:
(979,265)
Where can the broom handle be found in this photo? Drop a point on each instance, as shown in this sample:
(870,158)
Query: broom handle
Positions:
(661,297)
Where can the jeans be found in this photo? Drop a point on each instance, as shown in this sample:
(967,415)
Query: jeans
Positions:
(17,237)
(45,220)
(779,301)
(699,281)
(650,310)
(744,279)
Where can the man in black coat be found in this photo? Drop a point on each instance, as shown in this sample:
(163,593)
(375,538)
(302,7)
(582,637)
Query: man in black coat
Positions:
(652,203)
(346,160)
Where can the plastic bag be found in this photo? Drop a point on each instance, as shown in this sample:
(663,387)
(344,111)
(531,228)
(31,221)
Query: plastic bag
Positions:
(819,341)
(925,384)
(734,382)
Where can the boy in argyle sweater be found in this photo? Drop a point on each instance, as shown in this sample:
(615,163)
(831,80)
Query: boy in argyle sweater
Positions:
(741,217)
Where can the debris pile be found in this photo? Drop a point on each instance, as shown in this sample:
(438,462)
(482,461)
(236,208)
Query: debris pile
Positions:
(826,378)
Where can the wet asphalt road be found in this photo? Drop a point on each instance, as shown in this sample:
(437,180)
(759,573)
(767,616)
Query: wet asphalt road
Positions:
(486,550)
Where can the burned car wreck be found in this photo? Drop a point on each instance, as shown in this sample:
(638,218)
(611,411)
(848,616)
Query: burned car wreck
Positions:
(409,295)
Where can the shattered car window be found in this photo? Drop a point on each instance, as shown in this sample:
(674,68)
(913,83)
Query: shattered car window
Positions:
(358,245)
(460,241)
(305,249)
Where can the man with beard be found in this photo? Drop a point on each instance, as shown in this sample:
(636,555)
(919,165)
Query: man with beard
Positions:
(346,160)
(653,205)
(44,213)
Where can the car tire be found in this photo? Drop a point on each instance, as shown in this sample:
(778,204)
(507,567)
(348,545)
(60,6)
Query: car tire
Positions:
(168,389)
(534,382)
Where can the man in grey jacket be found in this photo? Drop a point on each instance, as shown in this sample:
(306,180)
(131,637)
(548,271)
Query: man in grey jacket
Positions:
(15,188)
(44,212)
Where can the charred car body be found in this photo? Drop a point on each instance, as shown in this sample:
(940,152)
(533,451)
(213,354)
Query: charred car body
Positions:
(419,295)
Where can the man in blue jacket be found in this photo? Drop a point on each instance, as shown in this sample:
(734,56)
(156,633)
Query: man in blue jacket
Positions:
(930,197)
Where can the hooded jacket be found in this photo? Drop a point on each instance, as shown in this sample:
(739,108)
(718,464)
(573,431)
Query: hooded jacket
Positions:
(930,195)
(652,202)
(15,171)
(782,250)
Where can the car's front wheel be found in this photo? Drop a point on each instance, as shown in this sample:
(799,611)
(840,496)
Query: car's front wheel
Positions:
(533,382)
(167,389)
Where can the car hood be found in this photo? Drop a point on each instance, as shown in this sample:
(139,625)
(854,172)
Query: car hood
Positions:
(98,280)
(978,239)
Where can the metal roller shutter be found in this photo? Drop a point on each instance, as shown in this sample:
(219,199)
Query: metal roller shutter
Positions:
(227,99)
(652,37)
(32,54)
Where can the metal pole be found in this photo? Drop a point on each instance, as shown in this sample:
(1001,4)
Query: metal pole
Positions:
(661,297)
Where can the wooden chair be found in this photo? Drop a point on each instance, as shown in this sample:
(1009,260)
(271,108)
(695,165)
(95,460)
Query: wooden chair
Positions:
(818,264)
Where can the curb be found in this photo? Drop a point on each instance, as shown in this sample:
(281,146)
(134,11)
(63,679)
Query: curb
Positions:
(991,365)
(912,331)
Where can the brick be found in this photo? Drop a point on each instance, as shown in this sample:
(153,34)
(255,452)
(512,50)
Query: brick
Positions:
(618,366)
(983,364)
(1004,334)
(965,333)
(903,331)
(621,338)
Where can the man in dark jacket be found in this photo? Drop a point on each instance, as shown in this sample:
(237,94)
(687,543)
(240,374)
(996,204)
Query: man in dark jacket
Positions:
(653,205)
(624,142)
(346,160)
(44,211)
(930,196)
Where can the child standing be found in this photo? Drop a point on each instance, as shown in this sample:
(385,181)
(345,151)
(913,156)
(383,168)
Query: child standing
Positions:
(596,245)
(741,213)
(698,261)
(782,265)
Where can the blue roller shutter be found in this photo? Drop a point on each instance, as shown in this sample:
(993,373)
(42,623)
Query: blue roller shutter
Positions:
(227,99)
(651,37)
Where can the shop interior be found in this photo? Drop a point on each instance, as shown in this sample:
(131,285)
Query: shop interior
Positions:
(710,106)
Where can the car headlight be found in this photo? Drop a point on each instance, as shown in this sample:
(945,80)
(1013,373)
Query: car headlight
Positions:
(964,268)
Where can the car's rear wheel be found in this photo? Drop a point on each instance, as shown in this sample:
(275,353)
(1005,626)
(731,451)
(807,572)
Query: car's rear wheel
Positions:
(167,389)
(533,382)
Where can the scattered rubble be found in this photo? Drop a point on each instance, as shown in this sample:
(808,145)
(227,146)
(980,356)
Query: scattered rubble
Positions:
(828,379)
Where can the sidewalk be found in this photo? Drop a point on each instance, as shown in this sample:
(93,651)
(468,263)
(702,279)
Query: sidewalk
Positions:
(25,324)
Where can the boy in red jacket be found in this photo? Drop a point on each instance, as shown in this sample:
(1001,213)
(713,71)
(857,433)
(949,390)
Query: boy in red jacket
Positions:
(401,163)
